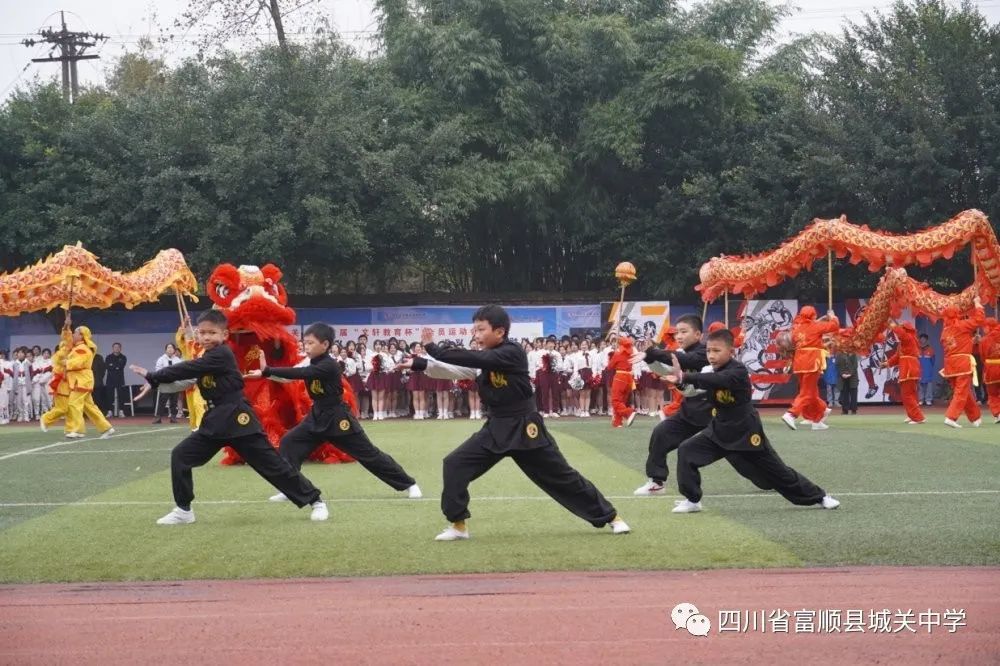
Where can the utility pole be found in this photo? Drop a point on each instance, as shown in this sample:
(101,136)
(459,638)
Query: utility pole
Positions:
(72,46)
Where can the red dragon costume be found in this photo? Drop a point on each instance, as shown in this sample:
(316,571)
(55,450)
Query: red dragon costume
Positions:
(255,302)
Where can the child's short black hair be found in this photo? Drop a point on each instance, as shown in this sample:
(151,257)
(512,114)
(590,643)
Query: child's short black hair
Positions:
(320,331)
(694,321)
(47,350)
(495,316)
(723,336)
(212,316)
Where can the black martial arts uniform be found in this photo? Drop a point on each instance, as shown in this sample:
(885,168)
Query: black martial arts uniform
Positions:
(331,420)
(228,421)
(513,429)
(737,434)
(694,416)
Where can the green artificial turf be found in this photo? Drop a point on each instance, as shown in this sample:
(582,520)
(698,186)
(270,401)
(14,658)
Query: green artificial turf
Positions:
(86,510)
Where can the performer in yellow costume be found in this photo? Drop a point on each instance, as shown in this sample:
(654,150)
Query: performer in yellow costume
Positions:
(190,349)
(80,376)
(59,386)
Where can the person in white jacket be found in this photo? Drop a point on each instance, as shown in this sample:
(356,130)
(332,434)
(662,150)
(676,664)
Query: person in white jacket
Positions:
(167,400)
(6,384)
(22,385)
(41,400)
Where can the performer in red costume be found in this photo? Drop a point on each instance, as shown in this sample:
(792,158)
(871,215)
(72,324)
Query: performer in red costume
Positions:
(809,363)
(989,351)
(623,383)
(959,363)
(907,357)
(676,397)
(256,305)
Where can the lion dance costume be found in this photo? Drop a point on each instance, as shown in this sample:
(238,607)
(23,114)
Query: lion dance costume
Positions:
(623,383)
(256,305)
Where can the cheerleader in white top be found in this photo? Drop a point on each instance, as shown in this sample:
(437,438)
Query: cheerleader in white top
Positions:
(583,368)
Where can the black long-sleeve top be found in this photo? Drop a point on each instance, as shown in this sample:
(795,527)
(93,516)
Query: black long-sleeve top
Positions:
(736,424)
(221,385)
(696,409)
(323,383)
(513,421)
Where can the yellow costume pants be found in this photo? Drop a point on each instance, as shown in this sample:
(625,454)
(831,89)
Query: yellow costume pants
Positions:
(81,405)
(60,407)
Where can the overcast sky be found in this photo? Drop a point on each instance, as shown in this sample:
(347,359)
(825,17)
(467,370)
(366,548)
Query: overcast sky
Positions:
(127,21)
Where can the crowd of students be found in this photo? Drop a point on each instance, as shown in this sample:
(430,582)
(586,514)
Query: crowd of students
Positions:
(570,376)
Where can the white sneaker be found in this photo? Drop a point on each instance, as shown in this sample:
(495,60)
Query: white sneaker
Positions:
(41,424)
(451,534)
(650,488)
(107,433)
(177,517)
(978,422)
(829,502)
(915,422)
(413,492)
(686,506)
(554,415)
(997,419)
(789,420)
(319,511)
(75,435)
(280,497)
(805,422)
(629,420)
(820,426)
(952,423)
(829,410)
(618,526)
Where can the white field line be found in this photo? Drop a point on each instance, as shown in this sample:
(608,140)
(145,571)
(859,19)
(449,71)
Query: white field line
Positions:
(82,440)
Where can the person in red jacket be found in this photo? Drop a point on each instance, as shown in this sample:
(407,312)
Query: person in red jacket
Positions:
(623,383)
(959,363)
(907,358)
(809,363)
(989,351)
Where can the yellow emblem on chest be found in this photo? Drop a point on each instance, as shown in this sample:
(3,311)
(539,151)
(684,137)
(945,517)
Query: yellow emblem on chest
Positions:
(498,379)
(532,430)
(345,425)
(243,419)
(755,440)
(724,397)
(316,387)
(208,381)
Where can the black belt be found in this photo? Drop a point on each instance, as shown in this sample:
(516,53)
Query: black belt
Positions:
(212,404)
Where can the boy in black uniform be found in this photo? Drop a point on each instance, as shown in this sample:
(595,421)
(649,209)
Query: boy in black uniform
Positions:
(514,428)
(228,421)
(695,413)
(735,433)
(330,419)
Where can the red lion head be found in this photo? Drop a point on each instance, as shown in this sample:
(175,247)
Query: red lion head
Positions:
(252,298)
